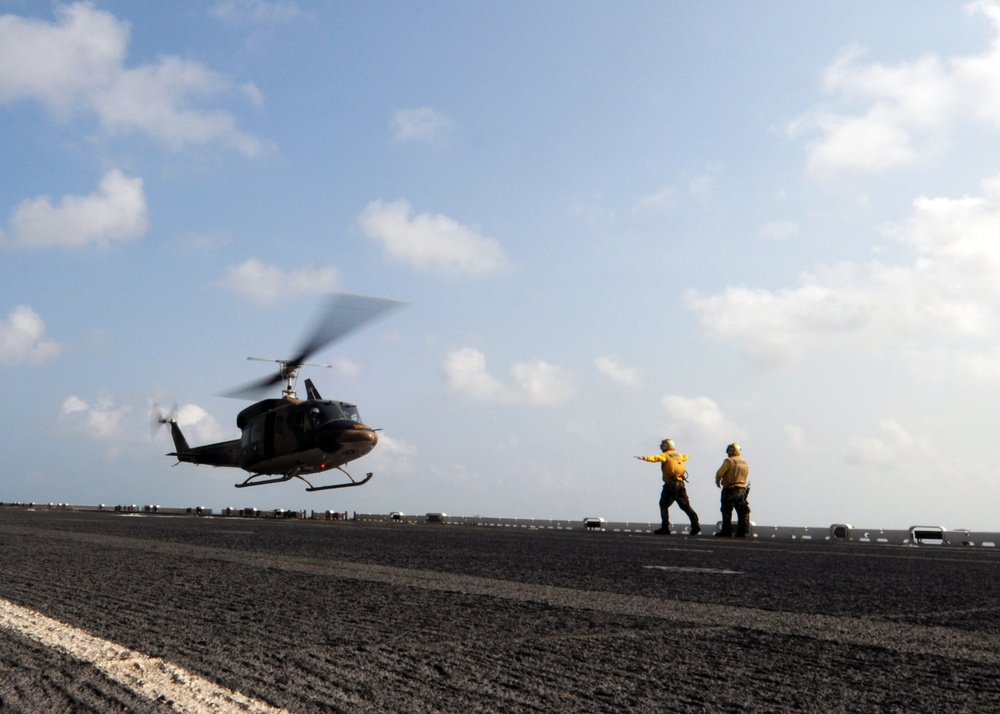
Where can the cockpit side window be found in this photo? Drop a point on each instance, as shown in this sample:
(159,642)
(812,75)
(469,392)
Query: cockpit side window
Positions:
(325,412)
(314,417)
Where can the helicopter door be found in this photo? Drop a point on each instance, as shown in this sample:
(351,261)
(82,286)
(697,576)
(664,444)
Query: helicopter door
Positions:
(258,440)
(269,435)
(251,451)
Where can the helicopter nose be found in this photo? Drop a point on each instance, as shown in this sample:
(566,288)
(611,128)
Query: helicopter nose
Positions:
(360,436)
(336,437)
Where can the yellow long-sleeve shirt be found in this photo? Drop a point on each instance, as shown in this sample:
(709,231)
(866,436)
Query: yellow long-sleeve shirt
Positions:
(733,473)
(671,464)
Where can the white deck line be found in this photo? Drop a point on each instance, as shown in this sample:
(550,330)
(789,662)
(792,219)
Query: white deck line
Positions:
(149,677)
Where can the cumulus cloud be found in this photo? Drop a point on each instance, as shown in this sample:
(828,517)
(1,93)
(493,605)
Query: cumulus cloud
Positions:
(115,212)
(265,284)
(542,383)
(665,198)
(796,436)
(949,290)
(699,419)
(891,445)
(983,366)
(694,189)
(428,241)
(617,372)
(199,426)
(536,382)
(258,12)
(106,420)
(22,338)
(465,372)
(909,108)
(103,421)
(348,368)
(421,124)
(260,19)
(77,65)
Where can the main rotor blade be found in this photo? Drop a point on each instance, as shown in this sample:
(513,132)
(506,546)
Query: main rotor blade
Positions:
(253,390)
(342,314)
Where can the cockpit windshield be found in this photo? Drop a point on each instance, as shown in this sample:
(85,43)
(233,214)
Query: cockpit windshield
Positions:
(320,413)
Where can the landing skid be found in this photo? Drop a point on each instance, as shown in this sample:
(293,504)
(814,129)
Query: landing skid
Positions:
(254,480)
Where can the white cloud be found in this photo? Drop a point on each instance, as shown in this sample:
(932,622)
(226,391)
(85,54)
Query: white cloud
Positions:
(617,372)
(465,373)
(892,446)
(949,291)
(796,436)
(103,421)
(199,426)
(430,241)
(663,199)
(265,284)
(700,188)
(22,338)
(596,217)
(348,368)
(115,212)
(779,327)
(542,383)
(697,189)
(256,11)
(981,366)
(909,108)
(108,421)
(421,124)
(73,405)
(203,242)
(77,65)
(260,20)
(536,382)
(699,419)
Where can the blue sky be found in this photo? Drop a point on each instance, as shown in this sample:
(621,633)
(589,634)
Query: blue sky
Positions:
(770,222)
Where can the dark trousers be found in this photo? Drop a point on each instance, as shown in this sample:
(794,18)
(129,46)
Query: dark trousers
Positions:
(675,492)
(735,499)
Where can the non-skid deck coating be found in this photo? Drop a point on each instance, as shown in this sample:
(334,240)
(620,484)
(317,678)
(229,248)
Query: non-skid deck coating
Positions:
(227,614)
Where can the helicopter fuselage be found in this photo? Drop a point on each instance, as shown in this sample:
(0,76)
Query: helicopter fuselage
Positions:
(285,435)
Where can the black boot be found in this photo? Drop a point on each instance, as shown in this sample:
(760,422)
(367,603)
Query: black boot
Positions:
(741,528)
(664,528)
(695,528)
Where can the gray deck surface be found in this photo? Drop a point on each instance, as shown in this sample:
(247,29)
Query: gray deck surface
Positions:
(312,616)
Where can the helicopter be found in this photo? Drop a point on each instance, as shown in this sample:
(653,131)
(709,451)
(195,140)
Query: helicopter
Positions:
(286,437)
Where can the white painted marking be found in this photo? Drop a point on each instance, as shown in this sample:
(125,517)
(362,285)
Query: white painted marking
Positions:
(685,569)
(149,677)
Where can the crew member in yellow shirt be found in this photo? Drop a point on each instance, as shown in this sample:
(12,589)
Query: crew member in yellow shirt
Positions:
(732,479)
(674,491)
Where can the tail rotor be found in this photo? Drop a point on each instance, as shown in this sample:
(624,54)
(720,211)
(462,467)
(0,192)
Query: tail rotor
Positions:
(159,417)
